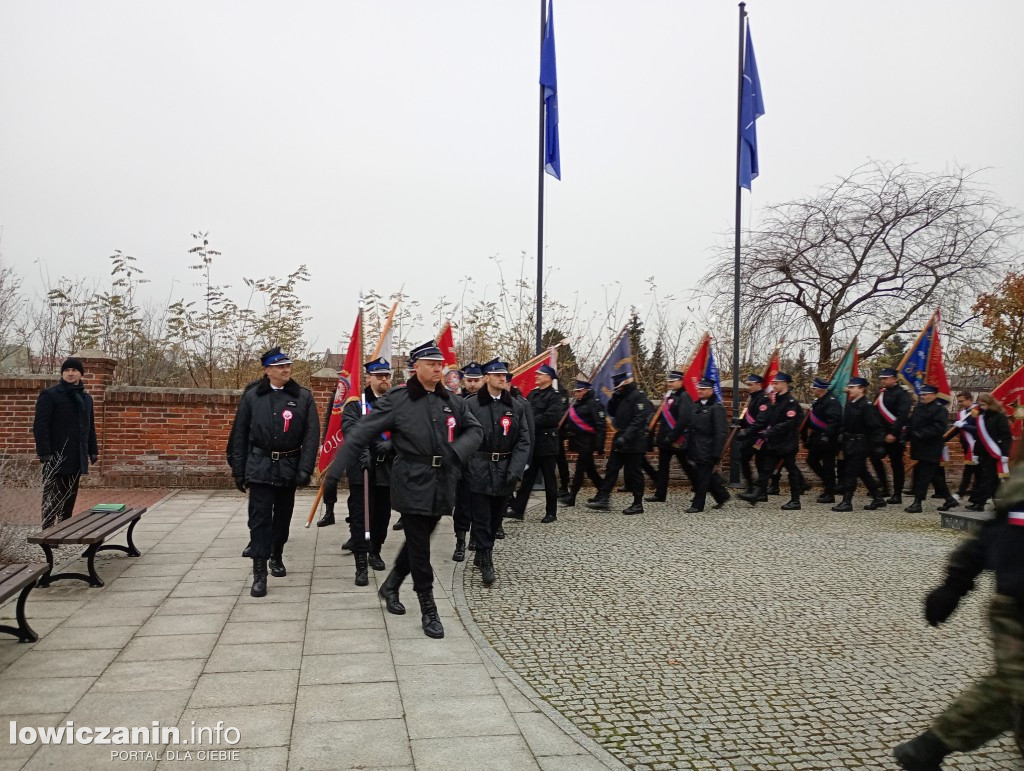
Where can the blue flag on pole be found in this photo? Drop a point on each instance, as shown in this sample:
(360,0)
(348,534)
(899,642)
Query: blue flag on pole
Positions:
(549,79)
(711,373)
(751,108)
(619,360)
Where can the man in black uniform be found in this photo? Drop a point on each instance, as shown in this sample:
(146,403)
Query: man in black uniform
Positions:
(967,427)
(893,404)
(821,437)
(927,426)
(861,438)
(462,519)
(751,426)
(546,406)
(631,413)
(498,463)
(705,442)
(433,435)
(992,705)
(276,438)
(670,435)
(781,442)
(586,427)
(376,462)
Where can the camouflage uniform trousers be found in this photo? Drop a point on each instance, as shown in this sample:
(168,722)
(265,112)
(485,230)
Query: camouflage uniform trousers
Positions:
(993,704)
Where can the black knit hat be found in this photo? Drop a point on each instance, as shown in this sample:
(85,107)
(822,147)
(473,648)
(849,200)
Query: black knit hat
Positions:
(72,363)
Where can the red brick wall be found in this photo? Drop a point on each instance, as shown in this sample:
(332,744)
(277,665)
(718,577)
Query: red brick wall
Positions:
(18,396)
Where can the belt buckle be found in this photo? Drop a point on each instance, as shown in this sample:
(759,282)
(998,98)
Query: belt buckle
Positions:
(435,461)
(275,455)
(495,457)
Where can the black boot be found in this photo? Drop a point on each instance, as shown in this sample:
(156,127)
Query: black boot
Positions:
(460,546)
(247,551)
(499,533)
(347,546)
(773,488)
(388,592)
(914,508)
(949,505)
(895,499)
(752,496)
(487,567)
(431,623)
(362,579)
(374,559)
(259,577)
(328,517)
(655,499)
(793,505)
(478,558)
(399,525)
(599,503)
(877,503)
(569,499)
(563,492)
(846,505)
(829,496)
(277,568)
(637,507)
(925,753)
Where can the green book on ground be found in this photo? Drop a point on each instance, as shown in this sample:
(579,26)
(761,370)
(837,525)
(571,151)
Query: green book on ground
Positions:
(109,508)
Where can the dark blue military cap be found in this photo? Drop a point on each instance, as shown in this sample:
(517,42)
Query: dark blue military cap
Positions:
(888,372)
(473,369)
(752,378)
(929,389)
(495,367)
(546,369)
(621,377)
(820,382)
(858,381)
(426,352)
(379,366)
(582,385)
(706,383)
(275,357)
(782,377)
(674,375)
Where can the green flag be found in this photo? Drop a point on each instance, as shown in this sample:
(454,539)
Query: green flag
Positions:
(846,369)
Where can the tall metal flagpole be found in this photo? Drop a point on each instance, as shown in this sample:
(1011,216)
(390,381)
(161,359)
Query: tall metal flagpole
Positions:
(734,468)
(540,201)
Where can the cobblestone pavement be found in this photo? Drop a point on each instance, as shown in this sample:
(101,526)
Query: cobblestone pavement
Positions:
(746,638)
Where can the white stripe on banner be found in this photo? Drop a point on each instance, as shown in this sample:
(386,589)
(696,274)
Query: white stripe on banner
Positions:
(1016,518)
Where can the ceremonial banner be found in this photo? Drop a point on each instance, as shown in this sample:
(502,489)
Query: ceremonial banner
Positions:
(450,372)
(922,363)
(845,369)
(524,377)
(702,365)
(1011,394)
(619,359)
(549,80)
(751,108)
(349,388)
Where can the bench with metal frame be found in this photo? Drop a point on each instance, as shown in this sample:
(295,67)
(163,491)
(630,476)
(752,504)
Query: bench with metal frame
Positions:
(20,578)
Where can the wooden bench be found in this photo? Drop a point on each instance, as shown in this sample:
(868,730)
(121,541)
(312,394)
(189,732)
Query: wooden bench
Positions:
(19,578)
(91,528)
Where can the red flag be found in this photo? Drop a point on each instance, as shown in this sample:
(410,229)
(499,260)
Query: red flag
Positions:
(1010,393)
(935,374)
(698,364)
(525,375)
(349,387)
(771,370)
(450,373)
(855,371)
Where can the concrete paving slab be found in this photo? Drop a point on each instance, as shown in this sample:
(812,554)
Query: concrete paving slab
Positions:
(77,663)
(238,689)
(431,718)
(423,650)
(172,646)
(473,753)
(163,675)
(329,703)
(198,623)
(443,680)
(320,641)
(247,657)
(82,638)
(202,589)
(269,725)
(270,611)
(248,633)
(350,744)
(276,592)
(347,668)
(52,694)
(187,606)
(130,708)
(351,618)
(143,584)
(18,750)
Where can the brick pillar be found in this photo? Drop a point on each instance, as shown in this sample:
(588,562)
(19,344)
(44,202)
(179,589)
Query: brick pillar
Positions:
(99,376)
(323,383)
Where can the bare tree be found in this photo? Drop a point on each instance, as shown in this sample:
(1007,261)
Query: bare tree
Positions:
(871,255)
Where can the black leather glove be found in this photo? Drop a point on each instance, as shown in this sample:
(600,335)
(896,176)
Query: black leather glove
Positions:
(302,478)
(618,443)
(240,484)
(941,602)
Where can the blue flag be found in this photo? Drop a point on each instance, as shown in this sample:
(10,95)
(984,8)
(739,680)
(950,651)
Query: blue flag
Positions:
(751,108)
(549,79)
(619,360)
(711,373)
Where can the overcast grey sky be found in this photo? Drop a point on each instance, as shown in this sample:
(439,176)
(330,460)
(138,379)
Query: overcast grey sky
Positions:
(395,141)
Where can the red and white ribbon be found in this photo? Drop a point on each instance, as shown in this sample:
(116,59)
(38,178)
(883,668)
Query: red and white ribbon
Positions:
(287,415)
(880,403)
(1016,518)
(968,438)
(451,429)
(506,422)
(992,446)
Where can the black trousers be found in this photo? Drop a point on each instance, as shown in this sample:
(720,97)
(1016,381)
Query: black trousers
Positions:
(563,467)
(705,479)
(969,479)
(60,491)
(665,456)
(414,556)
(894,452)
(822,461)
(748,453)
(585,467)
(630,463)
(270,515)
(545,465)
(380,517)
(927,473)
(986,479)
(487,513)
(856,467)
(647,468)
(463,515)
(768,469)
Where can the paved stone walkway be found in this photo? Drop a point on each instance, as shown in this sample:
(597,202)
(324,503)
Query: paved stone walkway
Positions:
(736,639)
(314,676)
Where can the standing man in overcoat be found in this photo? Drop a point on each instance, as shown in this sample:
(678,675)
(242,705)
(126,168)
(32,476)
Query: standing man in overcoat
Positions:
(894,403)
(586,426)
(705,443)
(821,437)
(781,442)
(547,408)
(670,436)
(927,426)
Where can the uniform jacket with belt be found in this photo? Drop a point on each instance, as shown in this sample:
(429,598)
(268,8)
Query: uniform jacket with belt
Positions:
(862,428)
(708,427)
(631,412)
(546,404)
(586,425)
(784,418)
(897,402)
(500,460)
(674,419)
(379,456)
(926,426)
(824,423)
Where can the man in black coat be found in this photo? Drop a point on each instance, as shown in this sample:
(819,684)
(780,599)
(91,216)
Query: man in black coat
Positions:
(433,435)
(631,413)
(967,428)
(670,435)
(705,442)
(498,463)
(372,466)
(276,438)
(821,437)
(65,434)
(751,426)
(893,403)
(994,443)
(546,406)
(927,425)
(861,439)
(462,518)
(585,426)
(781,442)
